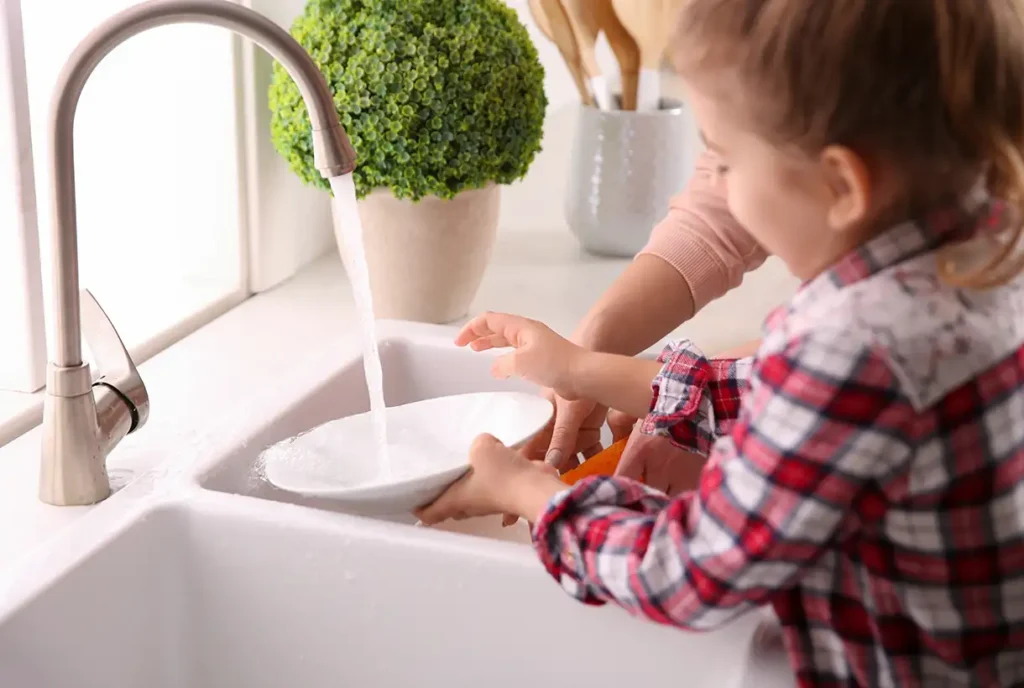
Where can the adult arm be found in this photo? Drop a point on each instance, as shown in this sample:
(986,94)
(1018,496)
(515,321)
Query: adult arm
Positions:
(695,255)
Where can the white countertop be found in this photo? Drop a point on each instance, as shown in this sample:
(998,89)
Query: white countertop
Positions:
(542,275)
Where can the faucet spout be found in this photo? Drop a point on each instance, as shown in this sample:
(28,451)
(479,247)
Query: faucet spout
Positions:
(82,419)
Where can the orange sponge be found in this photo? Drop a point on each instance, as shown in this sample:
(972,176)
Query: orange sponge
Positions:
(603,463)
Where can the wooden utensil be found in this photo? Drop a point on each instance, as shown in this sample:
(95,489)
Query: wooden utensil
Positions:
(554,17)
(587,28)
(541,19)
(651,23)
(622,43)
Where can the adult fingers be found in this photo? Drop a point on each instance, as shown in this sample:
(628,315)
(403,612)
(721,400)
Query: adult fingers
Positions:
(537,446)
(565,433)
(621,424)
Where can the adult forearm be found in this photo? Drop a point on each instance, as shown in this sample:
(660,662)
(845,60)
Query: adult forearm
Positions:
(648,300)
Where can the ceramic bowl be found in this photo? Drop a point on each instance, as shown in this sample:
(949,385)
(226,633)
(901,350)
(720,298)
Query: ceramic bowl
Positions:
(428,448)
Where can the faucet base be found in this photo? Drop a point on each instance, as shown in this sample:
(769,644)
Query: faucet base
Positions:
(73,470)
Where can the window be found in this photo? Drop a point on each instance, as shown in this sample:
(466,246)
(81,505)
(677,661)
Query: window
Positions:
(22,348)
(161,231)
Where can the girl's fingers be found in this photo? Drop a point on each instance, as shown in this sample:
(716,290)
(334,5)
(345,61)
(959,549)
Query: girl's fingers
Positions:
(476,328)
(485,447)
(495,341)
(504,367)
(463,499)
(427,515)
(487,324)
(508,326)
(448,505)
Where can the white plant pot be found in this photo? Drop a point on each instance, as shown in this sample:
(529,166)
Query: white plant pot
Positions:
(427,259)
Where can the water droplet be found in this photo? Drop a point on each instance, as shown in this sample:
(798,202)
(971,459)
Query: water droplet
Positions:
(119,477)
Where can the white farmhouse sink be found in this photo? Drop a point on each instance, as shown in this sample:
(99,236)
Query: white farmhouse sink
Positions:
(206,576)
(224,591)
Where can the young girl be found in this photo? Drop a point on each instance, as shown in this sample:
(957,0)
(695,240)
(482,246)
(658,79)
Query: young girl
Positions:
(864,471)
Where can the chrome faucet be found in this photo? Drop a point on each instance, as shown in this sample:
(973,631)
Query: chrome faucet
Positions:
(84,420)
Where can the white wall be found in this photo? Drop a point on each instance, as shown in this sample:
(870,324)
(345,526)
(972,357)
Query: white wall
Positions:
(530,205)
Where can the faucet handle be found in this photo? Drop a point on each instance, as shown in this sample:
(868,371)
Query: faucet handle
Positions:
(116,369)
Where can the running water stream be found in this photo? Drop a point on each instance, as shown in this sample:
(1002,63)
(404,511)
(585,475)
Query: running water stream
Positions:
(349,232)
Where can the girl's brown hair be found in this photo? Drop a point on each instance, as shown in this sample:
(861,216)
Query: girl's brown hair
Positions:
(935,86)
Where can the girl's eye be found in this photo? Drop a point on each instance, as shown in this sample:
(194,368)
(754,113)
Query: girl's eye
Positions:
(721,170)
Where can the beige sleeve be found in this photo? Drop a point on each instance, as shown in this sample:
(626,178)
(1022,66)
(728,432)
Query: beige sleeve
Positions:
(702,240)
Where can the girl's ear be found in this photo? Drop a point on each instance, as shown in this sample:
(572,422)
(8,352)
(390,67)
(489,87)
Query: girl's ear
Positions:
(848,183)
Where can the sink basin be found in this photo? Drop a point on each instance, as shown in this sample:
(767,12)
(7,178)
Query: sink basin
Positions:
(224,591)
(201,574)
(419,362)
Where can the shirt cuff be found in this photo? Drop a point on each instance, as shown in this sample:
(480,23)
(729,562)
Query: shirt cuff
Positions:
(700,266)
(561,533)
(681,408)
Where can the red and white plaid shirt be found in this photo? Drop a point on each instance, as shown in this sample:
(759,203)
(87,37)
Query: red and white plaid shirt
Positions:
(864,478)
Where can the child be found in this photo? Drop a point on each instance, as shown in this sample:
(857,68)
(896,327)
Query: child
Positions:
(864,471)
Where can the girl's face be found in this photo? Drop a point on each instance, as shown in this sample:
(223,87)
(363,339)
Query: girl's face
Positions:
(804,211)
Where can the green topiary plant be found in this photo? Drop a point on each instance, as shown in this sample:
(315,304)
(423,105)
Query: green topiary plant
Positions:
(437,96)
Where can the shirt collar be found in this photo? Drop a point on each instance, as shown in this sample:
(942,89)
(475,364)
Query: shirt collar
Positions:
(976,214)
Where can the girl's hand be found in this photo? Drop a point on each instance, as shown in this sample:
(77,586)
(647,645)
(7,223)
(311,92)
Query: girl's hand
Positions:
(541,356)
(500,481)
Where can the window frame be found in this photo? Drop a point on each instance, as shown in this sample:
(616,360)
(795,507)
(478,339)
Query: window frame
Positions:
(25,370)
(284,225)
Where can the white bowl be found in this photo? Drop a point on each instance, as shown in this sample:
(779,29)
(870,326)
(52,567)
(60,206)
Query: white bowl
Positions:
(428,445)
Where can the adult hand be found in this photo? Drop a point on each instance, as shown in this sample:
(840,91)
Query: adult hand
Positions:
(575,428)
(659,464)
(621,424)
(655,460)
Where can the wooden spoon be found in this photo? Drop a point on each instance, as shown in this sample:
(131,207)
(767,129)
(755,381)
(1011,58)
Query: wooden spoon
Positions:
(587,27)
(541,19)
(651,23)
(551,15)
(627,53)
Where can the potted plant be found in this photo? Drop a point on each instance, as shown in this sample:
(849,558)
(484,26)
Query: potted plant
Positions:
(444,102)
